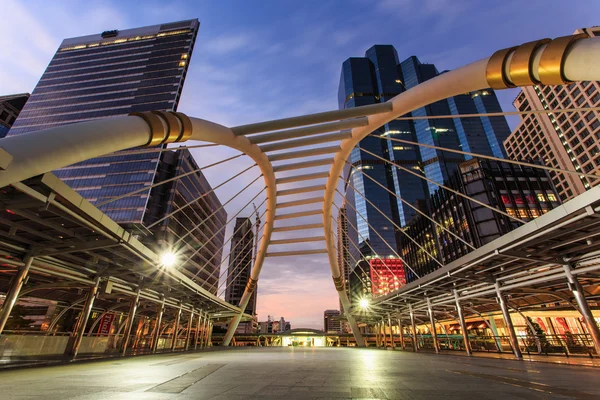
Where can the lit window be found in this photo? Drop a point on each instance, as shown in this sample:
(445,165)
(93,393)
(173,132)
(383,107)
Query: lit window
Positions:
(184,56)
(551,197)
(182,63)
(541,197)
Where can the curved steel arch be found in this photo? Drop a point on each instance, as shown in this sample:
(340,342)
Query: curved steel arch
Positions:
(551,62)
(46,150)
(568,59)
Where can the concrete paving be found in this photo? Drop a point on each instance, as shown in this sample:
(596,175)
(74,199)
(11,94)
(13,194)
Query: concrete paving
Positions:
(302,373)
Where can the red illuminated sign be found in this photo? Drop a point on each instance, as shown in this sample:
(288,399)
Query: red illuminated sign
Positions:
(387,275)
(105,324)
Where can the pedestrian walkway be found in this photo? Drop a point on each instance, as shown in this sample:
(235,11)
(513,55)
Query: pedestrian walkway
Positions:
(301,373)
(578,360)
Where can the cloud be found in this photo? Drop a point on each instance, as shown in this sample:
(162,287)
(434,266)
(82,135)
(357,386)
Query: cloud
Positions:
(227,44)
(440,14)
(26,48)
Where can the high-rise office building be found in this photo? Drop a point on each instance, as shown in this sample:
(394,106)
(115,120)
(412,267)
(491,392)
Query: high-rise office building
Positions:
(376,78)
(561,140)
(343,253)
(115,73)
(195,208)
(108,74)
(240,264)
(331,321)
(10,107)
(521,192)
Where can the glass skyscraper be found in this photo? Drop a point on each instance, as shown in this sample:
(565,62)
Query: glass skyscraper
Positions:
(115,73)
(376,78)
(112,73)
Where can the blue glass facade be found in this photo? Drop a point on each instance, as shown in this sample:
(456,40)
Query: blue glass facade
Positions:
(10,107)
(376,78)
(110,74)
(196,209)
(117,73)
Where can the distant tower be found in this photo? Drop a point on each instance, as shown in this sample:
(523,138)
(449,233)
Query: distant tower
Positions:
(331,321)
(240,264)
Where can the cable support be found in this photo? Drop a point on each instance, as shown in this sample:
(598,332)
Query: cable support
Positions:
(200,197)
(393,223)
(356,262)
(380,237)
(410,205)
(227,223)
(232,235)
(195,240)
(500,114)
(235,277)
(229,255)
(234,259)
(219,209)
(506,160)
(445,187)
(248,265)
(167,181)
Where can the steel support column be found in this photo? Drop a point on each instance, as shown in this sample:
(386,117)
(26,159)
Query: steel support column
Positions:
(203,334)
(401,331)
(197,334)
(189,331)
(413,328)
(391,331)
(74,342)
(514,341)
(210,328)
(13,291)
(130,318)
(436,345)
(463,325)
(156,338)
(584,307)
(176,328)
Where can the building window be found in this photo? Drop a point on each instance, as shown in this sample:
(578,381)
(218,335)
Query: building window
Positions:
(522,213)
(540,197)
(591,90)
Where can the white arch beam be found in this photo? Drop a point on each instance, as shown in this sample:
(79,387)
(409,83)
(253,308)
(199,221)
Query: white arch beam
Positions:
(566,59)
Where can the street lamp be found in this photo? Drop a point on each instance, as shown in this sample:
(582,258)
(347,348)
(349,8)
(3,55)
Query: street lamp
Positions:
(364,303)
(168,259)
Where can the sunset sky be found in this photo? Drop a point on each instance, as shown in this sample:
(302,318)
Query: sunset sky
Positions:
(261,60)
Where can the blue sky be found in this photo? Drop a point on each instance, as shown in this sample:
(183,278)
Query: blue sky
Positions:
(256,61)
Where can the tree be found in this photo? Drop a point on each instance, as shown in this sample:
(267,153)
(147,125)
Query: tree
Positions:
(16,320)
(539,333)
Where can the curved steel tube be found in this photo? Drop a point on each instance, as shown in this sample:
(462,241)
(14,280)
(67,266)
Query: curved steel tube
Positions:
(580,64)
(49,149)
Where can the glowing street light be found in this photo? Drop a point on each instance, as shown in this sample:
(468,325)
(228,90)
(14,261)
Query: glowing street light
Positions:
(364,304)
(168,259)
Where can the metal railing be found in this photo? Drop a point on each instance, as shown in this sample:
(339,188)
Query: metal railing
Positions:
(566,344)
